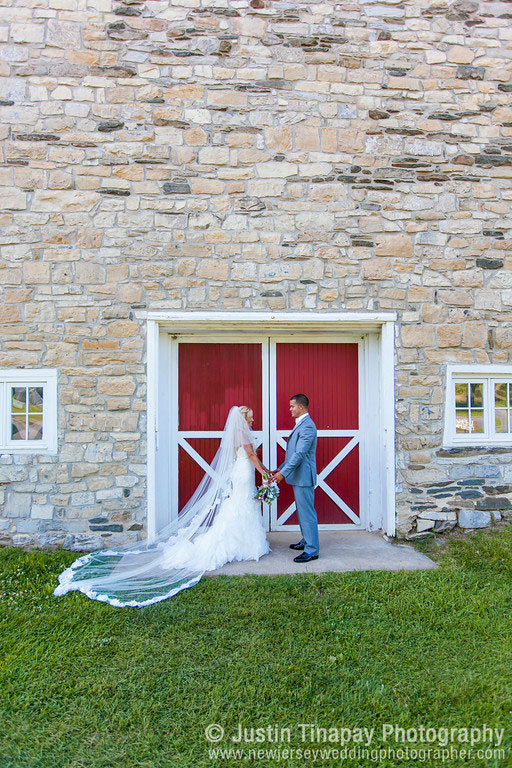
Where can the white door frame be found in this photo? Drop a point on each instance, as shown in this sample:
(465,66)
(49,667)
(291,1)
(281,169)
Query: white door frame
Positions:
(378,353)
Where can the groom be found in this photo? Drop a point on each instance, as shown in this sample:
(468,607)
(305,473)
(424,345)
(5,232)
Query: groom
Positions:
(299,470)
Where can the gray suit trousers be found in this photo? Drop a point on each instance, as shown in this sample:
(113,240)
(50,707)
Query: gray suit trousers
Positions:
(305,503)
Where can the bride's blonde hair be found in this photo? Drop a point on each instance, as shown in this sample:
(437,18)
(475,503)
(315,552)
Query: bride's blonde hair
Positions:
(245,411)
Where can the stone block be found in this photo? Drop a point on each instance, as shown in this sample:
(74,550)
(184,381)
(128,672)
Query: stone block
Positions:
(82,469)
(42,511)
(214,155)
(435,57)
(28,525)
(279,139)
(60,180)
(503,338)
(418,336)
(36,272)
(350,140)
(116,385)
(460,54)
(473,518)
(468,278)
(312,221)
(213,269)
(449,335)
(329,138)
(493,502)
(434,515)
(63,34)
(266,187)
(273,170)
(10,314)
(131,294)
(424,525)
(244,271)
(17,504)
(13,199)
(313,269)
(399,245)
(195,137)
(328,192)
(474,335)
(307,138)
(123,328)
(227,98)
(377,269)
(456,298)
(60,353)
(63,200)
(27,33)
(277,272)
(202,186)
(470,73)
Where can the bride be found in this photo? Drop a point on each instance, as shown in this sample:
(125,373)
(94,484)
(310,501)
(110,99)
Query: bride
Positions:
(221,522)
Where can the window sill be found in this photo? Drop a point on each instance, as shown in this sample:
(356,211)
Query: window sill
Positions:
(27,450)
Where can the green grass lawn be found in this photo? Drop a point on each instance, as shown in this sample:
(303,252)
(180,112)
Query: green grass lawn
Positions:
(87,685)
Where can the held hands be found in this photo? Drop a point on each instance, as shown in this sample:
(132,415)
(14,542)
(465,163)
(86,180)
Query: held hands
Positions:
(271,476)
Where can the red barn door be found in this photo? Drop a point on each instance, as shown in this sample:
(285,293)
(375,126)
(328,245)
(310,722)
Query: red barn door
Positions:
(263,374)
(328,374)
(211,379)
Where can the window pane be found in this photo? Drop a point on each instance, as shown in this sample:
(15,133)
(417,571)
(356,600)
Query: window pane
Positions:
(477,396)
(25,399)
(18,427)
(461,395)
(462,421)
(500,395)
(477,421)
(35,426)
(35,399)
(501,420)
(18,399)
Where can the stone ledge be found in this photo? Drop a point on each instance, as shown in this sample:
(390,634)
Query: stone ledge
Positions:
(473,451)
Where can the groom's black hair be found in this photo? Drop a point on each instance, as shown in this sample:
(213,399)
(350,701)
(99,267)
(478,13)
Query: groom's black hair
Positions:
(301,400)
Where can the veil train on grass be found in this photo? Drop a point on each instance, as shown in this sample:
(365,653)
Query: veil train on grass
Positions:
(139,574)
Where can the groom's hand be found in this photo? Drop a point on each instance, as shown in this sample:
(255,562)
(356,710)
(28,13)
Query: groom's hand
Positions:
(277,477)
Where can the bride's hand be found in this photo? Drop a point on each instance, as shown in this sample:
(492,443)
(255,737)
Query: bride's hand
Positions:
(266,477)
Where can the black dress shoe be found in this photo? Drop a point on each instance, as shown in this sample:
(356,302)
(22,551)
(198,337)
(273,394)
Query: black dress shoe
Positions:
(304,558)
(297,546)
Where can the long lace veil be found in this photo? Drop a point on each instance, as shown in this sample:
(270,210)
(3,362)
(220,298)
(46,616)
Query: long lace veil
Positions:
(139,574)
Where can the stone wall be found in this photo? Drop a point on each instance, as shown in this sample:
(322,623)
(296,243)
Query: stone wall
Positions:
(248,155)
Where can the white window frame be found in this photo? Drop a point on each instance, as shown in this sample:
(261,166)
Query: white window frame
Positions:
(32,377)
(487,375)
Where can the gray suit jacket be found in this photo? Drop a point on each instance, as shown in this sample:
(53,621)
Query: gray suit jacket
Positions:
(299,466)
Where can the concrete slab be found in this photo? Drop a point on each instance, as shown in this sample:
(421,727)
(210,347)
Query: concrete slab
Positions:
(339,551)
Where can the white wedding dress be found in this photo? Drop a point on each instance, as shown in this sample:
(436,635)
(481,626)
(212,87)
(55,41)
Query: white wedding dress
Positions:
(237,533)
(222,522)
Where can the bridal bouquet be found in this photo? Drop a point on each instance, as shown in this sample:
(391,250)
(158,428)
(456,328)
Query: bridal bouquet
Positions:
(267,492)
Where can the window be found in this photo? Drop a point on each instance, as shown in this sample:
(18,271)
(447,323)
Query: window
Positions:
(28,410)
(478,405)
